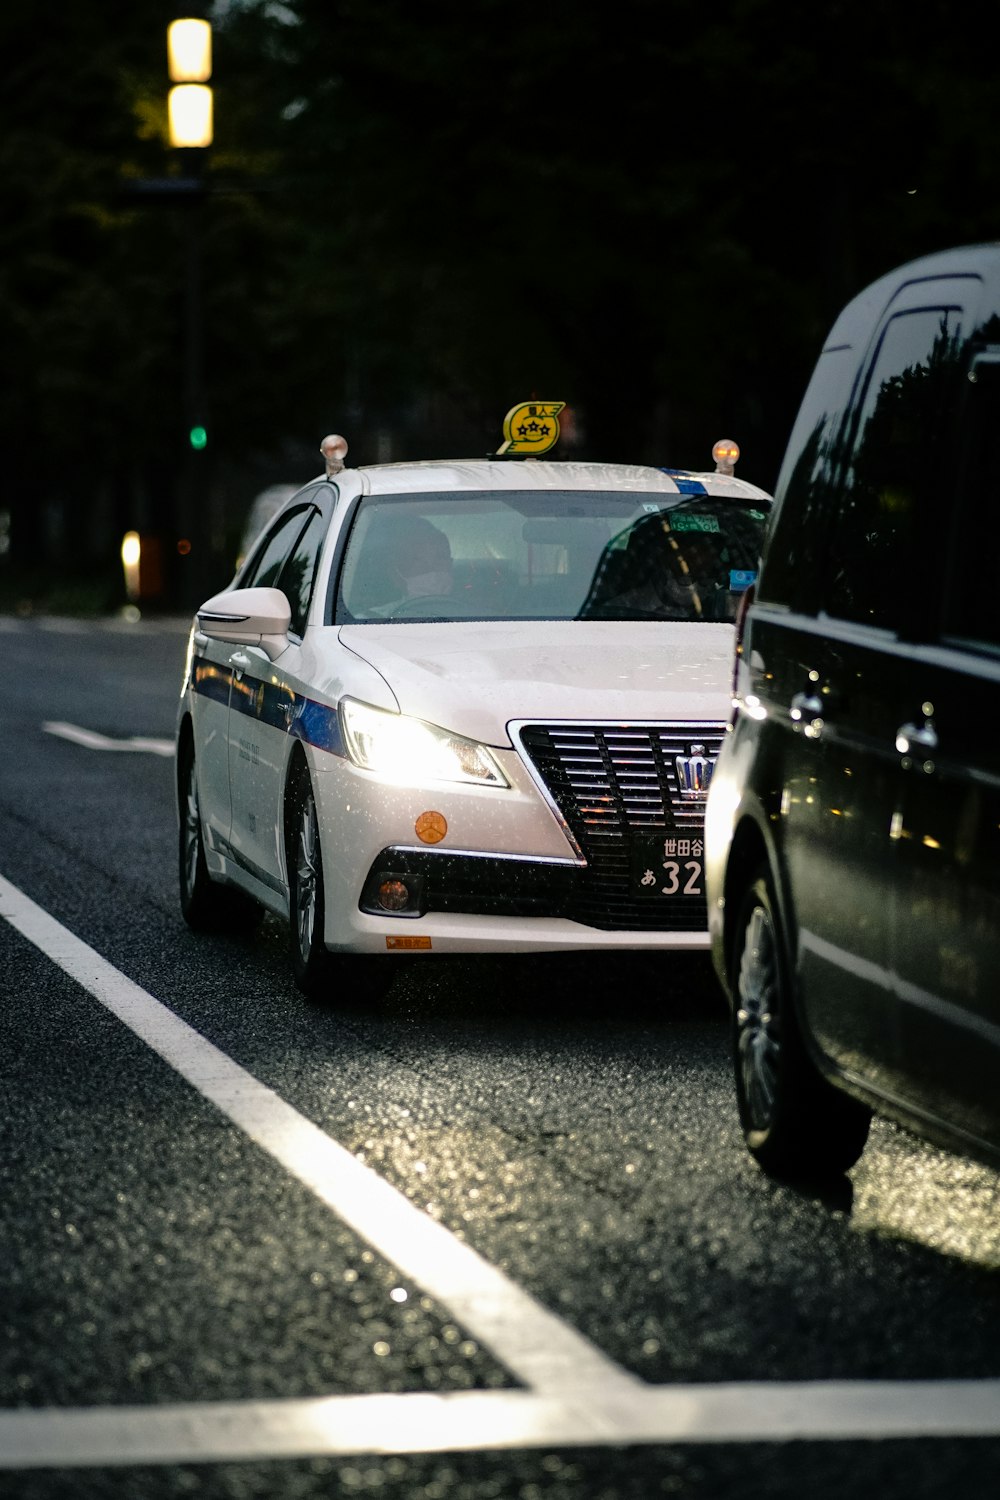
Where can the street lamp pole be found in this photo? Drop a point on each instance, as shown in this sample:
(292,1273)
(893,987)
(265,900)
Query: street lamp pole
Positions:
(189,110)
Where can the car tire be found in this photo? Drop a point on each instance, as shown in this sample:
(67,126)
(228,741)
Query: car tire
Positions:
(319,974)
(795,1122)
(206,906)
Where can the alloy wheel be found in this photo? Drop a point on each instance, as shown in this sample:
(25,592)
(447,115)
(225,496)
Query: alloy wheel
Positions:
(758,1018)
(192,829)
(306,873)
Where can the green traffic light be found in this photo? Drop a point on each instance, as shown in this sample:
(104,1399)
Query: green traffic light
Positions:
(198,438)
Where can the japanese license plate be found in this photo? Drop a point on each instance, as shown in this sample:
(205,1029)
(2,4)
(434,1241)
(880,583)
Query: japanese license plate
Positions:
(668,865)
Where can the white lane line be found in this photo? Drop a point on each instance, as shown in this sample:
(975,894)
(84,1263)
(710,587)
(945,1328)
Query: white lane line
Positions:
(480,1421)
(580,1398)
(61,625)
(91,740)
(538,1348)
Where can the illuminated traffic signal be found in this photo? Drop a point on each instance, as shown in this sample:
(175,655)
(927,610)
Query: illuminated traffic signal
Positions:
(198,438)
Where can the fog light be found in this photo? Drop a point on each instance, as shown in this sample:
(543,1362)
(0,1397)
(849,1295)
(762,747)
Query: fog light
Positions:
(393,895)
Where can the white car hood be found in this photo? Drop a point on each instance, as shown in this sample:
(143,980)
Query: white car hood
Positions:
(476,677)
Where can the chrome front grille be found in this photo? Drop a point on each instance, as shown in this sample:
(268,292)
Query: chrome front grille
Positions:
(609,781)
(613,782)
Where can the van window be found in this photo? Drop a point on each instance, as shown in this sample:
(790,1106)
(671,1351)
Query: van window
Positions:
(792,572)
(972,612)
(873,557)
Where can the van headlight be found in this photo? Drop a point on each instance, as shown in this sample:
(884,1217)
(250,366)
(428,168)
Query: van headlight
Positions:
(408,750)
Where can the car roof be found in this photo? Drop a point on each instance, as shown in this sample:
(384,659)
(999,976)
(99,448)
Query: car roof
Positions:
(541,474)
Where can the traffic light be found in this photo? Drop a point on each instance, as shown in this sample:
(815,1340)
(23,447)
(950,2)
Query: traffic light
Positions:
(198,438)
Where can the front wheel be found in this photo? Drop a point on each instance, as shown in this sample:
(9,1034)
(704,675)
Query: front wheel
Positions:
(795,1122)
(310,960)
(320,974)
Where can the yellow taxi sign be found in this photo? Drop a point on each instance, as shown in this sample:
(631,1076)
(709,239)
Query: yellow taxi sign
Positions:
(531,428)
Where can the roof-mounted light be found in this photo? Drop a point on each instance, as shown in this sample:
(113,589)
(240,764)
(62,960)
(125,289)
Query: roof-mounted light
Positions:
(725,453)
(334,451)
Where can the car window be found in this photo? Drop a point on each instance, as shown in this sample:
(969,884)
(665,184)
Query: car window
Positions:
(299,573)
(873,559)
(548,555)
(267,563)
(263,510)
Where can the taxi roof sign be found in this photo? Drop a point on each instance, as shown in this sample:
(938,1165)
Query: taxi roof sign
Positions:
(530,429)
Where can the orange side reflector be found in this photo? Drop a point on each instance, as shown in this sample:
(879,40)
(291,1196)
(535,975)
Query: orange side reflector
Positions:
(408,943)
(431,827)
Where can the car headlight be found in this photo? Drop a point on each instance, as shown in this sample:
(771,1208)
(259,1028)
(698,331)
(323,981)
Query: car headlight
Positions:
(408,750)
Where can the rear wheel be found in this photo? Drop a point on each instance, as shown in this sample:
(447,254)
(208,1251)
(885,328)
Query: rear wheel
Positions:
(320,974)
(794,1121)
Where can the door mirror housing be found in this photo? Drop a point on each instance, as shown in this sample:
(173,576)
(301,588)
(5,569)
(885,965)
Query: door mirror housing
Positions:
(248,617)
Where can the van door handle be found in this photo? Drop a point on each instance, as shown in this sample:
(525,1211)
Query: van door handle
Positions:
(919,736)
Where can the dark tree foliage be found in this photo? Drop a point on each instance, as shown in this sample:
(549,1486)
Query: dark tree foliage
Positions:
(417,215)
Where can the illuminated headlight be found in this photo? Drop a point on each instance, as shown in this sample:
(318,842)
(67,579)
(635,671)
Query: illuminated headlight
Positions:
(408,750)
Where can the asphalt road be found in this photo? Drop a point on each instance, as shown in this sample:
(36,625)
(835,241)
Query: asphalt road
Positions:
(497,1237)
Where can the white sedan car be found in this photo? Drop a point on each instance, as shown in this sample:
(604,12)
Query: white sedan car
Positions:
(465,707)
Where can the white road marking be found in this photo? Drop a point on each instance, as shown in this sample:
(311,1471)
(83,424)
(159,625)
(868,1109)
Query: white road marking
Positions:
(91,740)
(61,625)
(536,1346)
(576,1396)
(70,625)
(481,1421)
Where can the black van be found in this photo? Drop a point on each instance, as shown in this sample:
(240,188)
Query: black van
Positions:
(853,825)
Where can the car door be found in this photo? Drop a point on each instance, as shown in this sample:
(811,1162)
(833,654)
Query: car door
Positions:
(946,915)
(839,854)
(845,851)
(211,681)
(263,702)
(838,824)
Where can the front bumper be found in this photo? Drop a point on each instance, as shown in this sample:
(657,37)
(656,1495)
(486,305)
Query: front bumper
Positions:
(492,885)
(544,865)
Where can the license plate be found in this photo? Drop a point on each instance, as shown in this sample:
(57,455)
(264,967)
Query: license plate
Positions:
(668,865)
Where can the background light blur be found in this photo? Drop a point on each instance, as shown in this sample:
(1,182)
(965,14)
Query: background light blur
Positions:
(411,218)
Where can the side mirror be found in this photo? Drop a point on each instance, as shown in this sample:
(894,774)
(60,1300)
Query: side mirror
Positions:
(248,617)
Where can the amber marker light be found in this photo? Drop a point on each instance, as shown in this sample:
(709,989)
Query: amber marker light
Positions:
(725,453)
(431,827)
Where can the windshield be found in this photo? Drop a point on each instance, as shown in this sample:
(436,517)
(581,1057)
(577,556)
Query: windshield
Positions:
(548,555)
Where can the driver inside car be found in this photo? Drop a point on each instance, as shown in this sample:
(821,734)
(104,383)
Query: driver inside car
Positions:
(408,558)
(421,559)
